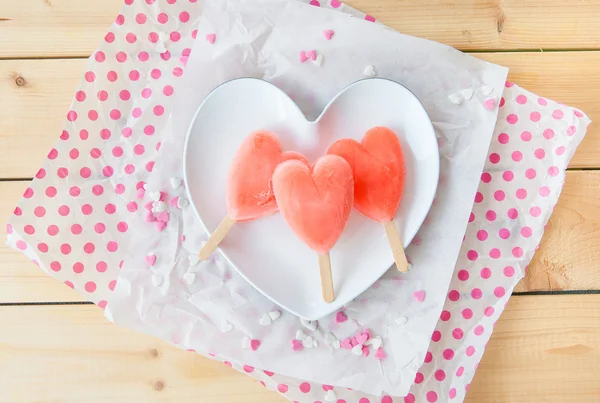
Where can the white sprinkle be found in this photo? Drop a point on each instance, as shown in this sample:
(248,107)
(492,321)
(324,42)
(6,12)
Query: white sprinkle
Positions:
(330,396)
(319,60)
(315,343)
(336,344)
(369,71)
(265,320)
(189,277)
(330,338)
(155,196)
(159,207)
(145,186)
(467,93)
(410,266)
(375,342)
(274,315)
(357,349)
(456,98)
(300,335)
(157,280)
(309,324)
(160,47)
(246,342)
(176,182)
(487,90)
(308,342)
(226,327)
(401,320)
(193,259)
(163,36)
(182,202)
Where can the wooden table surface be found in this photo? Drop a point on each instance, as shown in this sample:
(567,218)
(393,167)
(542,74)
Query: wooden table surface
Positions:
(54,347)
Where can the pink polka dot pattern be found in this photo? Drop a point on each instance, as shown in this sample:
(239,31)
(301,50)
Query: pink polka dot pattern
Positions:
(111,140)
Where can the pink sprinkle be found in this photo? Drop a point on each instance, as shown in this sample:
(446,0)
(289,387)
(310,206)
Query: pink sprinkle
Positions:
(369,18)
(150,259)
(297,345)
(254,344)
(328,34)
(354,341)
(164,216)
(380,354)
(489,104)
(361,338)
(340,317)
(312,54)
(140,193)
(365,351)
(150,217)
(163,196)
(419,295)
(174,201)
(346,343)
(210,38)
(148,206)
(160,225)
(303,56)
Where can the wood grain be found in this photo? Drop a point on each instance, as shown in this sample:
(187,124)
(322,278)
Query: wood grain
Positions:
(55,28)
(32,115)
(568,258)
(544,349)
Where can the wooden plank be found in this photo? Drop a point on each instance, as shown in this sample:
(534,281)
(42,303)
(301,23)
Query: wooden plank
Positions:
(568,258)
(543,349)
(20,279)
(55,28)
(32,115)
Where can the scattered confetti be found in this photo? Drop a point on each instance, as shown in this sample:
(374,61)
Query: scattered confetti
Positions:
(369,71)
(347,344)
(328,34)
(159,207)
(254,344)
(340,317)
(155,196)
(308,342)
(357,350)
(226,327)
(319,60)
(375,342)
(176,182)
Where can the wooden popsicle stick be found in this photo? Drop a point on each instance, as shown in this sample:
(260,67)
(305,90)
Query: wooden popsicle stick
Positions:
(326,278)
(216,238)
(396,245)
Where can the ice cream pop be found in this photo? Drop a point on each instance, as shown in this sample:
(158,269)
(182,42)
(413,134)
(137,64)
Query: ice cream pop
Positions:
(249,191)
(378,166)
(316,203)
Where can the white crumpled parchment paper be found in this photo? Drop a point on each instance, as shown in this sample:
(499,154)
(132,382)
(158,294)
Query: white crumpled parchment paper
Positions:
(263,39)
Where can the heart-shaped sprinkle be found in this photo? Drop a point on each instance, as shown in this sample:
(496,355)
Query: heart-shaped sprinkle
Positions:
(226,327)
(164,216)
(149,217)
(308,342)
(274,315)
(160,225)
(401,320)
(328,34)
(297,345)
(150,259)
(319,60)
(375,342)
(246,342)
(336,344)
(140,193)
(354,341)
(309,324)
(189,278)
(148,206)
(365,351)
(315,343)
(357,350)
(182,202)
(487,90)
(380,354)
(340,317)
(157,280)
(330,396)
(300,335)
(160,47)
(303,56)
(254,344)
(362,338)
(174,201)
(210,38)
(369,71)
(490,104)
(265,320)
(347,344)
(456,98)
(176,182)
(467,93)
(312,54)
(159,207)
(193,260)
(419,295)
(155,196)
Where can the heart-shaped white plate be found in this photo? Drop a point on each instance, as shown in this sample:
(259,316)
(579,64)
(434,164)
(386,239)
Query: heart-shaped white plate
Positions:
(266,252)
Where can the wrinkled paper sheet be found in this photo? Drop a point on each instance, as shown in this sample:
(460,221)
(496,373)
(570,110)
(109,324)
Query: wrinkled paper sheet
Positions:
(263,39)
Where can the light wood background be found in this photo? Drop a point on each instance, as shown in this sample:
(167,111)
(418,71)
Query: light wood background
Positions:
(545,347)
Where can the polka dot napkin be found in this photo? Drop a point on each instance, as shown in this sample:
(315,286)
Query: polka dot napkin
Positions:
(74,219)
